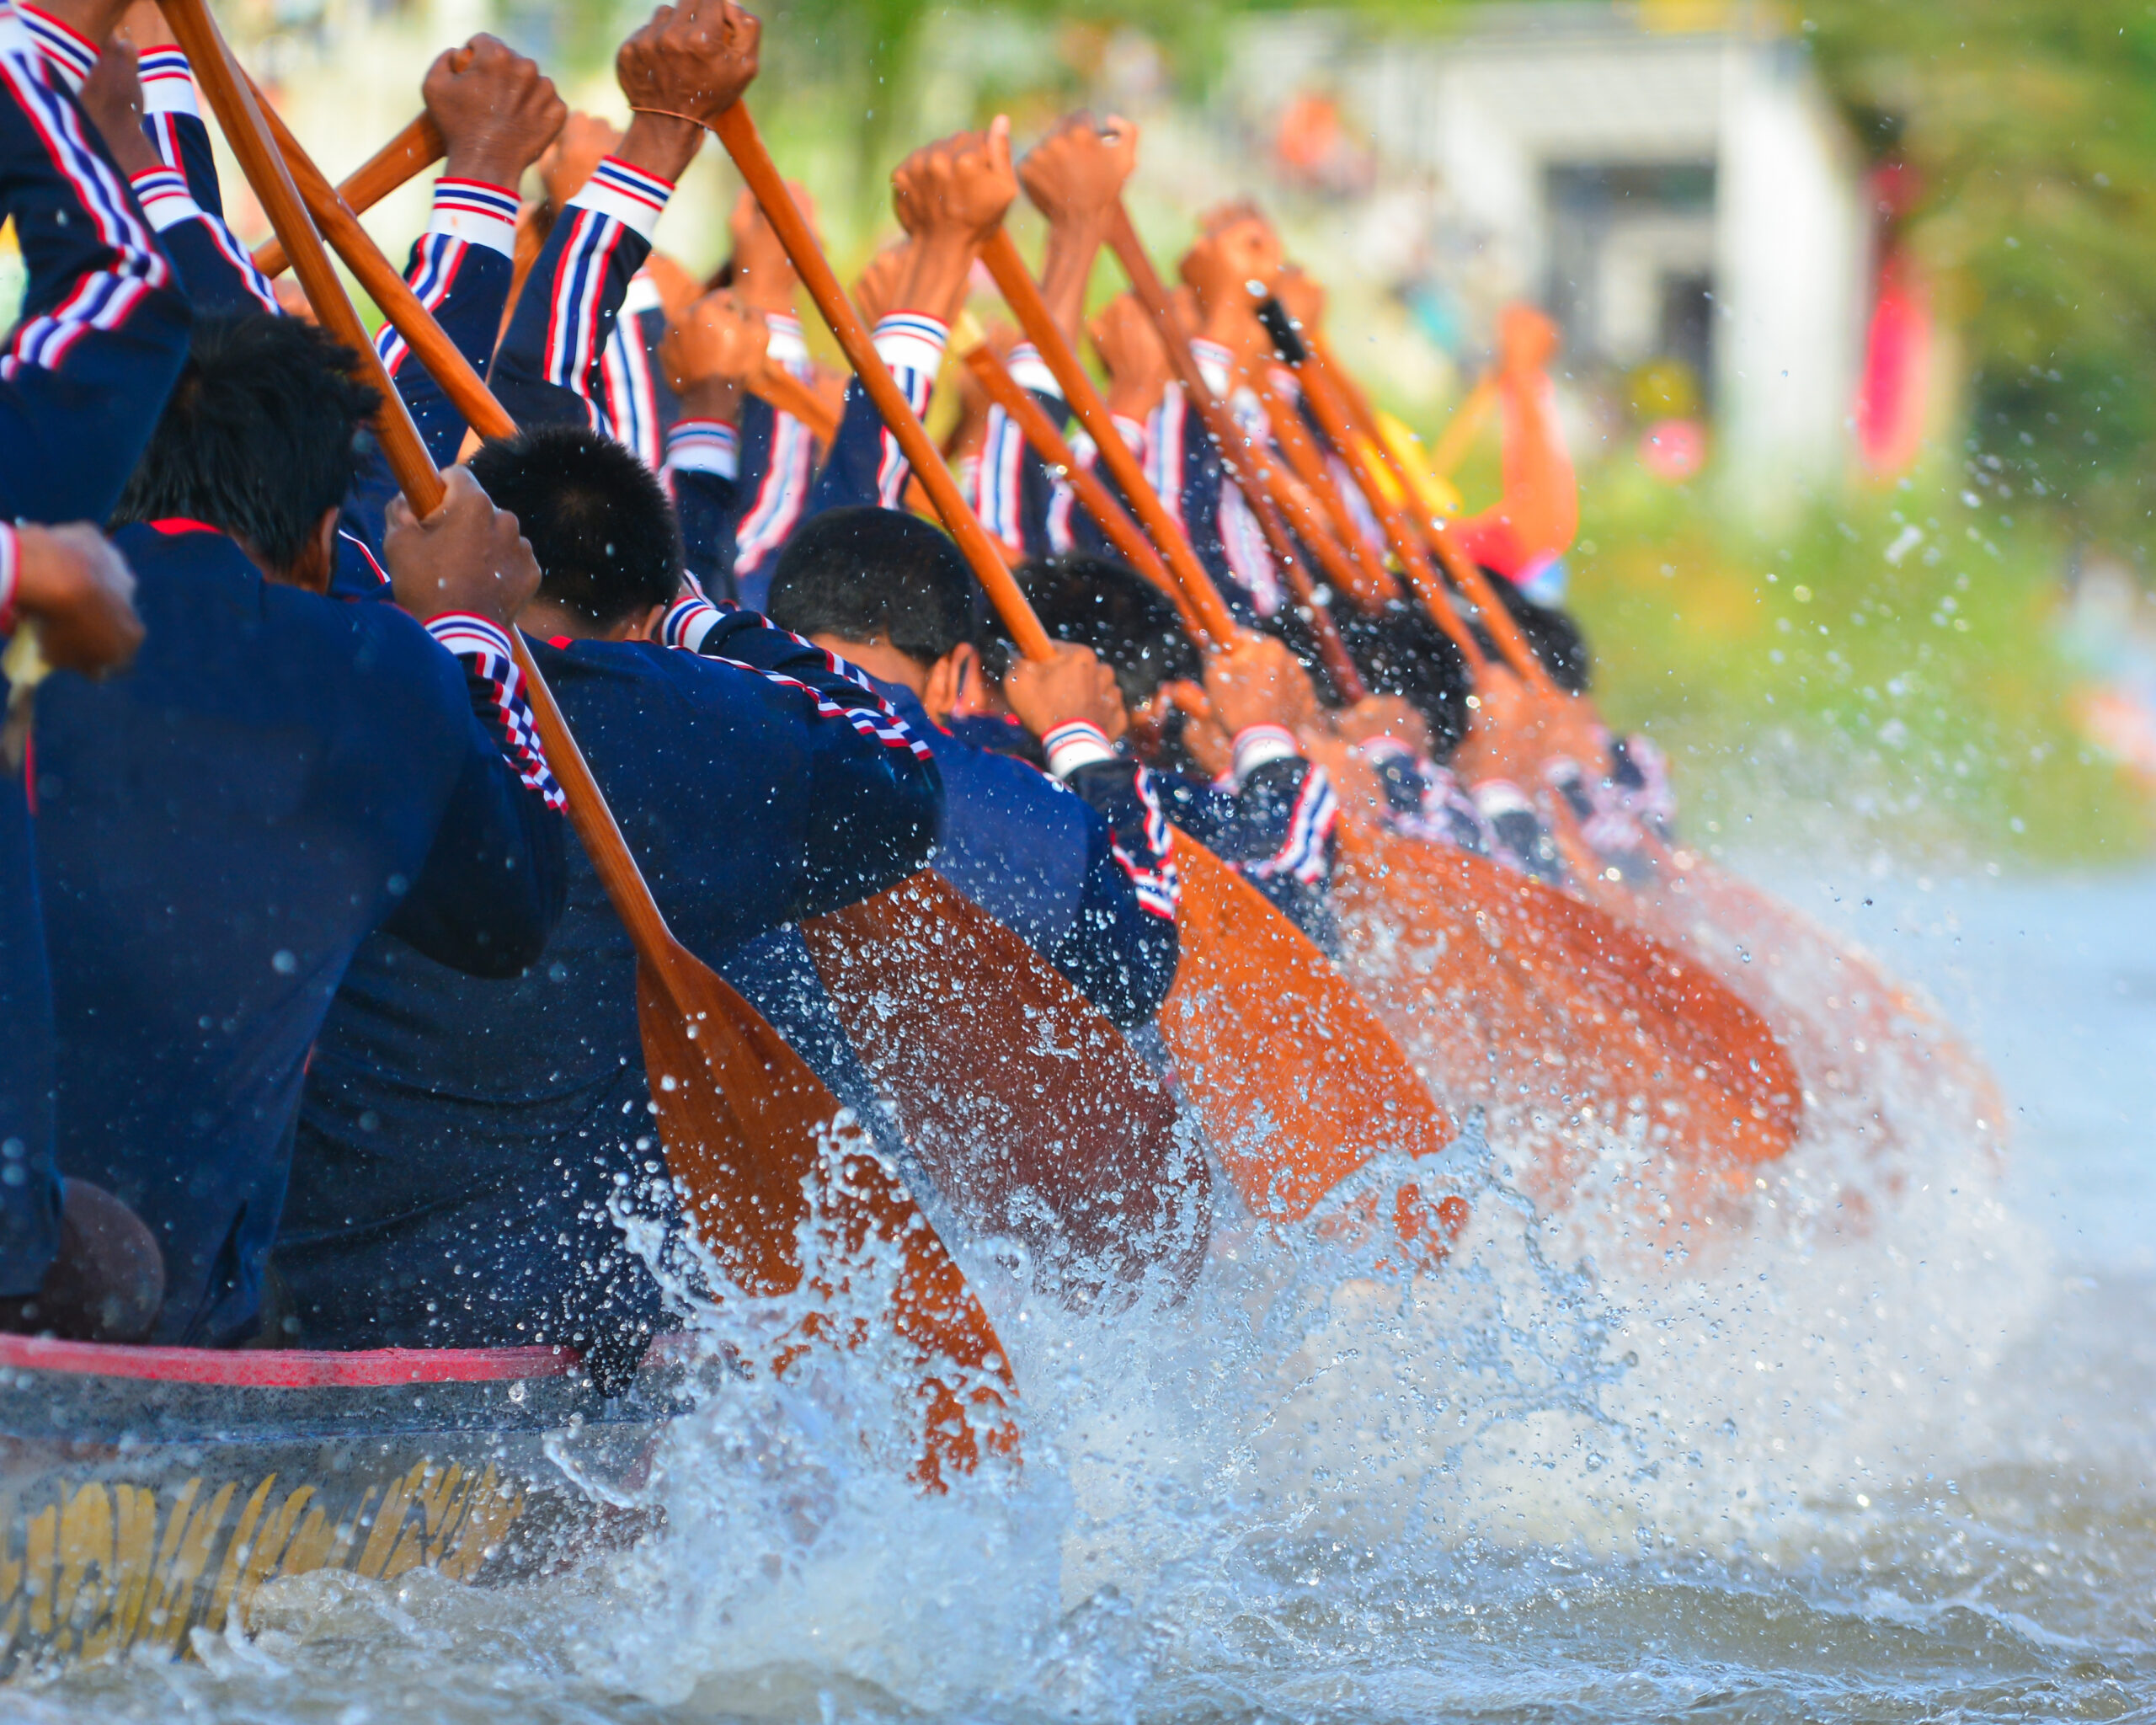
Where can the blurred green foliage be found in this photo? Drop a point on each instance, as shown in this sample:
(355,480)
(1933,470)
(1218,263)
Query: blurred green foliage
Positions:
(1882,671)
(2032,126)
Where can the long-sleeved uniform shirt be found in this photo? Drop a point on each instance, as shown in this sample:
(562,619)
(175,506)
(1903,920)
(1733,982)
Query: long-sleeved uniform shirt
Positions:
(104,324)
(462,1142)
(547,370)
(741,490)
(278,775)
(82,377)
(1021,499)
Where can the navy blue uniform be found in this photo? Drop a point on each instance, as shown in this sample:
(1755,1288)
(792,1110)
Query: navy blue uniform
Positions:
(278,776)
(82,377)
(1019,498)
(547,370)
(461,1141)
(103,326)
(1083,868)
(1275,819)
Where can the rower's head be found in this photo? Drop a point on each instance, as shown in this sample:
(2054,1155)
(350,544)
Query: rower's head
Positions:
(600,525)
(890,593)
(260,440)
(1103,603)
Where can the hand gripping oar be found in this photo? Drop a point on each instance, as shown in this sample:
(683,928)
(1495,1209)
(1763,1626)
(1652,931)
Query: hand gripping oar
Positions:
(1493,950)
(1296,1079)
(1087,1174)
(741,1116)
(413,150)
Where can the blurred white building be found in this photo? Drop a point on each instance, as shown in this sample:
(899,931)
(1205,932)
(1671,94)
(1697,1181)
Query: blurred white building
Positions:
(1668,179)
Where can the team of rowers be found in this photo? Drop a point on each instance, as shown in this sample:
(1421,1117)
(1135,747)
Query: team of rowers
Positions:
(320,1031)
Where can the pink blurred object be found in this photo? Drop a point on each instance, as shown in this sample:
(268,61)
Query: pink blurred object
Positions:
(1674,450)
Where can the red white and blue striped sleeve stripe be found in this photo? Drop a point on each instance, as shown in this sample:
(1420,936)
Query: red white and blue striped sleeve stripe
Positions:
(104,298)
(66,50)
(911,344)
(1305,847)
(472,210)
(770,521)
(466,213)
(498,695)
(690,620)
(999,497)
(704,446)
(167,96)
(617,200)
(1156,879)
(168,201)
(625,381)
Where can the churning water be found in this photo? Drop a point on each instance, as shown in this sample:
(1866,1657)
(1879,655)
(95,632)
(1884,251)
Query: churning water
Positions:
(1871,1446)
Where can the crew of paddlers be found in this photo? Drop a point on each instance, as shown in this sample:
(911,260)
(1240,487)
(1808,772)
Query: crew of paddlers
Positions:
(323,1031)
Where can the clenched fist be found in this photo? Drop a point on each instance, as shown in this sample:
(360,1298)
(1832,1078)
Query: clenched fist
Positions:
(498,112)
(466,556)
(82,593)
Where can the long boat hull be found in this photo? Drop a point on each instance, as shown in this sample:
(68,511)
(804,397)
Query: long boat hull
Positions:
(146,1492)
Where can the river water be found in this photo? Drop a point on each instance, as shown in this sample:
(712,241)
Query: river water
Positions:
(1852,1461)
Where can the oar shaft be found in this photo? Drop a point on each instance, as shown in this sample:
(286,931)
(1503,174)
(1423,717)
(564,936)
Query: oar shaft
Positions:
(1153,296)
(412,151)
(385,286)
(736,130)
(1049,443)
(1332,417)
(245,129)
(1015,282)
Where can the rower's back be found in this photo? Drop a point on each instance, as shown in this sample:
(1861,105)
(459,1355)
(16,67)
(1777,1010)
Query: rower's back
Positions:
(278,775)
(466,1143)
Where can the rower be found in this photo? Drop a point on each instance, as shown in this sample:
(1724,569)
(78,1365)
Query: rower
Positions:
(278,775)
(1089,881)
(102,331)
(469,1150)
(1221,735)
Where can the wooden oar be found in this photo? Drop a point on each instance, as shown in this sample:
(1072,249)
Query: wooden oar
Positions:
(1621,992)
(1248,473)
(1086,1153)
(742,1117)
(1714,1031)
(1296,1079)
(1049,444)
(412,151)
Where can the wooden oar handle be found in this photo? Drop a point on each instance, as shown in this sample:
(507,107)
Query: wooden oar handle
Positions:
(1320,390)
(1049,443)
(1145,284)
(1015,282)
(736,130)
(412,151)
(245,129)
(232,99)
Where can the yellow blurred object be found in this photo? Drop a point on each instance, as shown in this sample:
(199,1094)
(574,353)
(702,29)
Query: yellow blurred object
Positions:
(1663,389)
(1432,491)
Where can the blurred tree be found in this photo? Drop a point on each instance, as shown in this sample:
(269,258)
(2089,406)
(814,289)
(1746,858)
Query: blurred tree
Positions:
(2030,126)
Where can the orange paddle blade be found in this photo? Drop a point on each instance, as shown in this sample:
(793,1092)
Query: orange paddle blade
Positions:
(1297,1081)
(745,1125)
(1583,1017)
(1033,1116)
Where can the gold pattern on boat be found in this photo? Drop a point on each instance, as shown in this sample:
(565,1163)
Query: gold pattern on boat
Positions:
(101,1567)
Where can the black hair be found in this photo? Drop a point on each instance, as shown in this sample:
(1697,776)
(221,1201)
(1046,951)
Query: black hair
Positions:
(1552,633)
(1103,603)
(600,522)
(260,437)
(860,574)
(1402,651)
